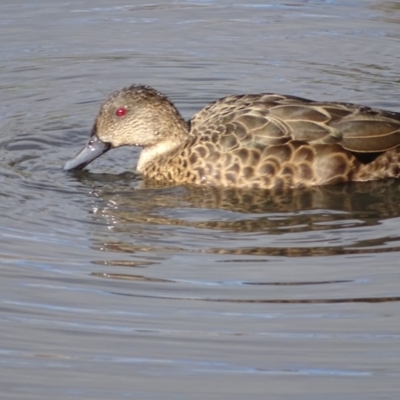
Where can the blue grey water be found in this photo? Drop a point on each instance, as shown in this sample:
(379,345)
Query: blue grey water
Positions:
(112,291)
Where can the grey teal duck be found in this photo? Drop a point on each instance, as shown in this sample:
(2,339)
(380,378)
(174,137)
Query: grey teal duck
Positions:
(248,141)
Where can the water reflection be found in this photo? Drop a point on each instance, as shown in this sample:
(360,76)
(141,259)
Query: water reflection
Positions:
(384,299)
(296,223)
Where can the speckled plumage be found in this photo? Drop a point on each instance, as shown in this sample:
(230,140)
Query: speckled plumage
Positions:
(252,141)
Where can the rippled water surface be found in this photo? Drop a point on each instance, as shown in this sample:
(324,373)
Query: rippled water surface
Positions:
(110,290)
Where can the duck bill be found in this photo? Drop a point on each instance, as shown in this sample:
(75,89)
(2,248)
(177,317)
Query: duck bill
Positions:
(94,148)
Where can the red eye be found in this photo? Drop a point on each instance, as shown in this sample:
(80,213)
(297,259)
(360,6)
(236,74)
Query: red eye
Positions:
(120,112)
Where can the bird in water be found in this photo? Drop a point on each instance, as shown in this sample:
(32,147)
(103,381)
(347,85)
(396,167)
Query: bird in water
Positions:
(247,141)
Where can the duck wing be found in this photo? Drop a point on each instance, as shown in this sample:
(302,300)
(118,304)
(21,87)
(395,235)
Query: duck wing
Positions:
(257,121)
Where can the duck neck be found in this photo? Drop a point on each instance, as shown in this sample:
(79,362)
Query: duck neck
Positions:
(152,154)
(174,133)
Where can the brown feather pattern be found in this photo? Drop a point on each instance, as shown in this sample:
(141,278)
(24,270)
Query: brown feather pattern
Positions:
(254,140)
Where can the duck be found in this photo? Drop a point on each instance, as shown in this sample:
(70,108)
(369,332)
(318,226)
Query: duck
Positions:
(252,141)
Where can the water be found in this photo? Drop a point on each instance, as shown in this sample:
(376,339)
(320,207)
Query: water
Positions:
(113,291)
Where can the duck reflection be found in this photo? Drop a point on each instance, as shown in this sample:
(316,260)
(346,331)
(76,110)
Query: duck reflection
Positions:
(291,223)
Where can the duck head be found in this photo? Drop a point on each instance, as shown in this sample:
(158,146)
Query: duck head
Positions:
(134,116)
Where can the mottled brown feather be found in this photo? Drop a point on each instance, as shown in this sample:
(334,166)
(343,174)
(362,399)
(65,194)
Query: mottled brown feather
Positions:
(254,140)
